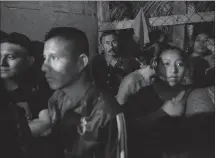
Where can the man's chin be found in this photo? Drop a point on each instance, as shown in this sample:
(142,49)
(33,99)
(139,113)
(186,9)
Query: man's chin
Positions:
(53,86)
(5,76)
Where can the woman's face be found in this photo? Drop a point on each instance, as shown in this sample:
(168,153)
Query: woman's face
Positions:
(171,67)
(200,43)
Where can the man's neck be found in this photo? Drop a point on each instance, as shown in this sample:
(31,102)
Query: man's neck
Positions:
(77,90)
(10,84)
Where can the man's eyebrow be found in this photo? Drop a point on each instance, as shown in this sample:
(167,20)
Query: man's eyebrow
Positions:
(165,59)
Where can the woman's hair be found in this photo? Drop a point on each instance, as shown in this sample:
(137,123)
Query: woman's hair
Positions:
(155,60)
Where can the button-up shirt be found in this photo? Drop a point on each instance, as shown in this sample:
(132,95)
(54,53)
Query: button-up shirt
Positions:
(96,127)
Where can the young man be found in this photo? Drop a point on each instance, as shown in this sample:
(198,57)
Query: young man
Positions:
(76,102)
(18,76)
(109,68)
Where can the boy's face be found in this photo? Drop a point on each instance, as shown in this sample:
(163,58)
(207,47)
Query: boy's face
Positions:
(13,60)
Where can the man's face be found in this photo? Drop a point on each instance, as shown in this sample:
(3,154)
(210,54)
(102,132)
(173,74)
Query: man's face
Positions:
(60,65)
(13,60)
(200,44)
(110,45)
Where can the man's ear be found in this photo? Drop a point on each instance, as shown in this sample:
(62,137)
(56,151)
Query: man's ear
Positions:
(30,60)
(83,61)
(102,47)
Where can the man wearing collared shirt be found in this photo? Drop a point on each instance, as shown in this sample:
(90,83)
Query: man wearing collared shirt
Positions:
(109,68)
(81,117)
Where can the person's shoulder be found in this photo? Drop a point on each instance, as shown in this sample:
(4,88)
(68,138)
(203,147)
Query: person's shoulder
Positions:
(107,104)
(128,78)
(197,94)
(132,77)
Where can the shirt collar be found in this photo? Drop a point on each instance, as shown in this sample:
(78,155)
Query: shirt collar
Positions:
(80,106)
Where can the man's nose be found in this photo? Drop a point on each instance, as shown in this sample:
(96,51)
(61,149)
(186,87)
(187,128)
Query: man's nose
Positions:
(110,45)
(203,42)
(174,69)
(3,61)
(45,66)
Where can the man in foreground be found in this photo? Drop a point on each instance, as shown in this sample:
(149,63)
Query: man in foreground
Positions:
(80,116)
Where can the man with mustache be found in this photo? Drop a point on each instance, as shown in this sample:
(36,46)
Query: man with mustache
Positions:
(109,68)
(80,118)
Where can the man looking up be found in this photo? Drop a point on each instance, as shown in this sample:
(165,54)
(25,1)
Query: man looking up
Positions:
(77,105)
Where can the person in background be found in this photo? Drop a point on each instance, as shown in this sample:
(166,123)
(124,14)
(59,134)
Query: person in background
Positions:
(201,65)
(15,134)
(144,76)
(109,68)
(149,113)
(76,102)
(138,79)
(18,76)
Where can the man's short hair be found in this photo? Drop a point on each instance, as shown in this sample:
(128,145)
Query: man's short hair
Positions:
(71,34)
(19,39)
(106,33)
(195,34)
(3,35)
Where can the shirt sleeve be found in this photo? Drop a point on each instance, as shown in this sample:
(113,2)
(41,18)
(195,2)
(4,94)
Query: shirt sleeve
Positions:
(124,91)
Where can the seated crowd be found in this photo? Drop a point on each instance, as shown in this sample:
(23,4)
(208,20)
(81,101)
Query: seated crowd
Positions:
(126,102)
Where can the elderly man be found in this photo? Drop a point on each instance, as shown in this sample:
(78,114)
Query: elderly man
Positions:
(79,116)
(109,68)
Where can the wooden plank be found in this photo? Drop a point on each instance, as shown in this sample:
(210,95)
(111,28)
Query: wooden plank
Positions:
(65,6)
(118,25)
(178,31)
(182,19)
(163,21)
(22,5)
